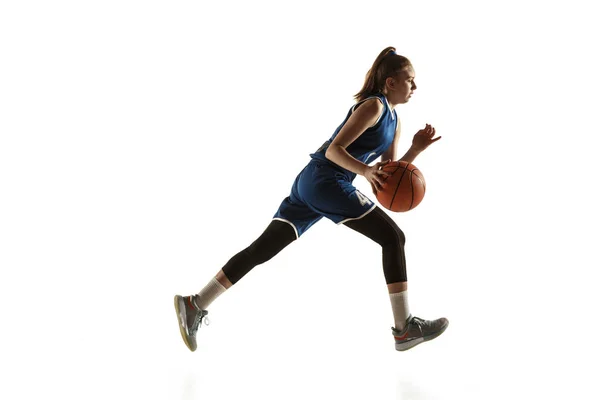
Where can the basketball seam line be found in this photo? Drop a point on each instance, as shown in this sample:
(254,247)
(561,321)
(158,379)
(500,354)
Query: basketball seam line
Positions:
(387,177)
(412,191)
(398,185)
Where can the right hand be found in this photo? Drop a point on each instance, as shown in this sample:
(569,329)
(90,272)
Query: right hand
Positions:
(376,176)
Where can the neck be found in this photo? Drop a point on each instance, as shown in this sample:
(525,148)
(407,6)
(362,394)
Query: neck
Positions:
(392,105)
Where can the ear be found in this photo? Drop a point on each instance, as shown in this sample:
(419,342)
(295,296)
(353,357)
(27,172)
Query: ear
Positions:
(390,82)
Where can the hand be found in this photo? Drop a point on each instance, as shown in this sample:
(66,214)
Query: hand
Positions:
(375,175)
(424,138)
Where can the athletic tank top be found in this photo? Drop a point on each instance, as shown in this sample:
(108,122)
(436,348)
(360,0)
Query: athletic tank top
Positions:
(371,143)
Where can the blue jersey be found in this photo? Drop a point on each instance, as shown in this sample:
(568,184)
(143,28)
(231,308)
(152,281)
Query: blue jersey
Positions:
(371,143)
(324,189)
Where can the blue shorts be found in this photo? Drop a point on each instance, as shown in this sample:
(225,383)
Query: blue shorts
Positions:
(322,190)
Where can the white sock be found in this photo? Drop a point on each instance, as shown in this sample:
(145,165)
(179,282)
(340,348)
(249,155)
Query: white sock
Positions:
(210,292)
(400,308)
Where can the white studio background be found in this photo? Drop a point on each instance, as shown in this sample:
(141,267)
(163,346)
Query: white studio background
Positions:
(144,143)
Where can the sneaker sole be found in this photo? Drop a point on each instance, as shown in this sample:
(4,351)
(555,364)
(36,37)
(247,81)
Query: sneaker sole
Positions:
(413,343)
(179,302)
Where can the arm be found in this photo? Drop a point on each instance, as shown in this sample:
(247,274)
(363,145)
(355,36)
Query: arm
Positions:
(390,153)
(410,155)
(361,119)
(421,141)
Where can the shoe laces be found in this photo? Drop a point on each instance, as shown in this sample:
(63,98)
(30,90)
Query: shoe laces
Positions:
(200,316)
(419,322)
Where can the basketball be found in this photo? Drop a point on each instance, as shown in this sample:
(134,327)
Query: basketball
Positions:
(404,189)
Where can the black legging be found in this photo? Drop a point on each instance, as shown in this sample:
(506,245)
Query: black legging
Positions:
(376,225)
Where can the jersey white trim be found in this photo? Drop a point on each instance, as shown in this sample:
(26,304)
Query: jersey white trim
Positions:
(293,226)
(371,97)
(350,219)
(389,108)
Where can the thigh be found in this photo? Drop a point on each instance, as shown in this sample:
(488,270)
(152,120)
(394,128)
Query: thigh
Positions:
(379,227)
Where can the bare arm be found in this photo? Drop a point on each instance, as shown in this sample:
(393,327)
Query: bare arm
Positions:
(365,116)
(361,119)
(410,155)
(392,151)
(421,141)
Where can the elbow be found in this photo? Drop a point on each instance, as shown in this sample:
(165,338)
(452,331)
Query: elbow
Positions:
(331,152)
(328,153)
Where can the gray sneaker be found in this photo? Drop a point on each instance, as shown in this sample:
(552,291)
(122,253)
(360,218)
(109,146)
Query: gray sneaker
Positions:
(190,318)
(417,331)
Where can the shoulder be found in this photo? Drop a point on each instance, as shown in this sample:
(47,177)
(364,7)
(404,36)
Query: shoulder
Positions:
(376,102)
(369,107)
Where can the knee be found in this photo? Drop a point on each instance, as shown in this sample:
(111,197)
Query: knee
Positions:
(395,237)
(400,236)
(271,242)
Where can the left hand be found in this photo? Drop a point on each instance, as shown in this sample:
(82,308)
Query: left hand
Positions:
(424,138)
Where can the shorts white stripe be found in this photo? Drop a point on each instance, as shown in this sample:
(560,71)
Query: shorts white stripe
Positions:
(350,219)
(293,226)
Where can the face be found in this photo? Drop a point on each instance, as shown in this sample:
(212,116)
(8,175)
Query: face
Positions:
(401,88)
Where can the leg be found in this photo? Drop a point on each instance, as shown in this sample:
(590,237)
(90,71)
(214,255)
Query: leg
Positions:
(380,228)
(223,280)
(191,310)
(409,331)
(274,239)
(291,220)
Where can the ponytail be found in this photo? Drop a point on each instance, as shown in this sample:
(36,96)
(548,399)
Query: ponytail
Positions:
(387,64)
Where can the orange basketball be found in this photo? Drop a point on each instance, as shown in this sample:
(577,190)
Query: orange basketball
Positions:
(404,189)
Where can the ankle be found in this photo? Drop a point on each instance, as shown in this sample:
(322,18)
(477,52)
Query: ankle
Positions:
(192,302)
(209,294)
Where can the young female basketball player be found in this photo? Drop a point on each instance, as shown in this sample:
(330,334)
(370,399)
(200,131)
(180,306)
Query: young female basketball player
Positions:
(324,189)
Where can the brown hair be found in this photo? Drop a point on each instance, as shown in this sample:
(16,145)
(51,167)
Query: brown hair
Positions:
(387,64)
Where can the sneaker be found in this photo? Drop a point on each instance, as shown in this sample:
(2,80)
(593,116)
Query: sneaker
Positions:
(190,318)
(417,331)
